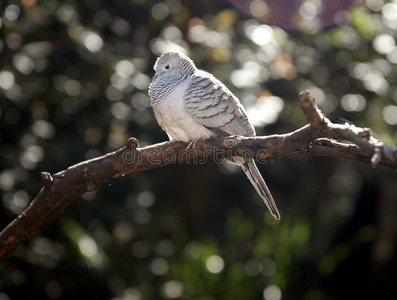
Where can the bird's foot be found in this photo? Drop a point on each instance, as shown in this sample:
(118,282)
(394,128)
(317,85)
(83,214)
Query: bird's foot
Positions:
(192,144)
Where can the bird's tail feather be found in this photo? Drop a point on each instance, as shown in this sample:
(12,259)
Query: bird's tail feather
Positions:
(259,184)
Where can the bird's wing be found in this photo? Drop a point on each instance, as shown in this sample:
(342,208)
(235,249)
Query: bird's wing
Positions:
(214,106)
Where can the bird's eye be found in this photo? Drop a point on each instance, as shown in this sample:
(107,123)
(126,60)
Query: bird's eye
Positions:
(167,67)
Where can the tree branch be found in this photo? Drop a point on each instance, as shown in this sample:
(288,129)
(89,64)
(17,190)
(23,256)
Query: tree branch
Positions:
(320,137)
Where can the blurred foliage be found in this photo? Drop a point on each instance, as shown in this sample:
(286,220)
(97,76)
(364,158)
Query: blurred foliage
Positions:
(73,86)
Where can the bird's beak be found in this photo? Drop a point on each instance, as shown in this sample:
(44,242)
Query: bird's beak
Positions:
(157,74)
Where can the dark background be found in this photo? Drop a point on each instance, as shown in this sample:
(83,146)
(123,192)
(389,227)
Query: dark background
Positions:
(73,86)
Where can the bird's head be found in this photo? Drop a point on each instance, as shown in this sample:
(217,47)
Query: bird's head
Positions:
(173,64)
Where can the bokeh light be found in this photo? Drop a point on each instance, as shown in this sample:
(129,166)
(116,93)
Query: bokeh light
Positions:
(310,15)
(215,264)
(73,86)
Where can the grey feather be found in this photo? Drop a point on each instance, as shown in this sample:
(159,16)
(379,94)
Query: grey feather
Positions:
(190,104)
(253,174)
(213,105)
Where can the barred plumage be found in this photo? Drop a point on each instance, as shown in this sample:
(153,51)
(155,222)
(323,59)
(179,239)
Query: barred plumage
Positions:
(160,90)
(191,104)
(161,87)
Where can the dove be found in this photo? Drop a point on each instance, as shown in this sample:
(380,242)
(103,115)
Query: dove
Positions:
(190,104)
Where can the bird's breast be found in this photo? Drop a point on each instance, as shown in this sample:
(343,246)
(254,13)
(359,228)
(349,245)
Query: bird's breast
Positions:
(173,118)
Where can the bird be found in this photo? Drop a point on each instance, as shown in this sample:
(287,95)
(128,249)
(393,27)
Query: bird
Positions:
(190,104)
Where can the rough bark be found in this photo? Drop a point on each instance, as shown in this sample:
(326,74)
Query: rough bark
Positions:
(319,137)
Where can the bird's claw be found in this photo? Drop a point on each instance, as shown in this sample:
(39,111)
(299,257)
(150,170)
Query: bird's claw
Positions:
(192,144)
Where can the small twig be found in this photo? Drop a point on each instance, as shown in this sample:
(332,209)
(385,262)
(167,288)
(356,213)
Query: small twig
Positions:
(375,151)
(313,115)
